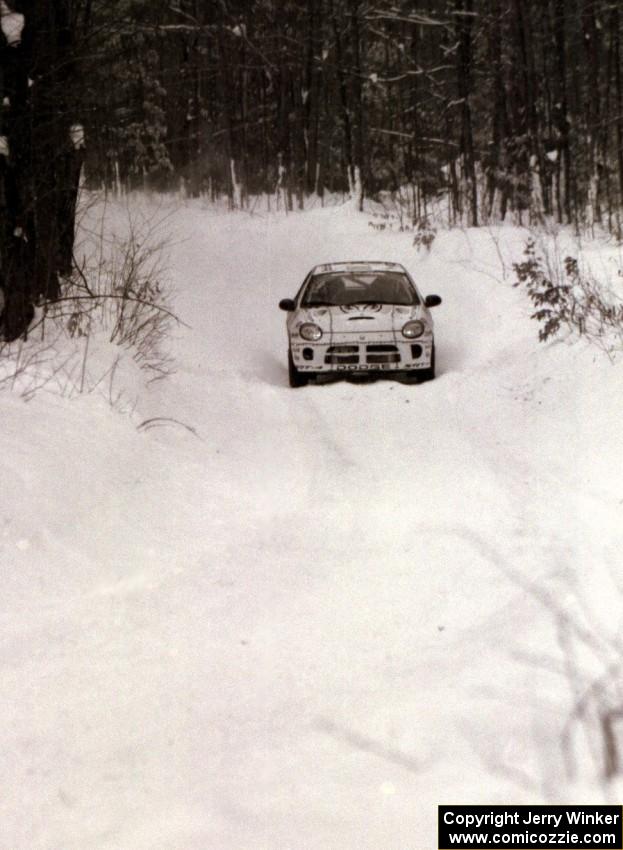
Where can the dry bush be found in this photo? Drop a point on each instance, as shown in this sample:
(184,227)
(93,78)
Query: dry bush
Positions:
(568,296)
(109,327)
(125,296)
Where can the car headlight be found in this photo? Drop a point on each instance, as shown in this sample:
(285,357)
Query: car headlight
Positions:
(412,330)
(310,332)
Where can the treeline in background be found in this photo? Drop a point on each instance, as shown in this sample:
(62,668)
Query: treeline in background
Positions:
(500,105)
(485,109)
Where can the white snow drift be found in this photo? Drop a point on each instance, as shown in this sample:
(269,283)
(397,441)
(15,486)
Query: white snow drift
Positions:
(328,609)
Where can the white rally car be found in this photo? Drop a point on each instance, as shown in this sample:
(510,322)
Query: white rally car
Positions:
(360,317)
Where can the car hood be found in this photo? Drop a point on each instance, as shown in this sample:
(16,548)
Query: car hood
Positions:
(362,318)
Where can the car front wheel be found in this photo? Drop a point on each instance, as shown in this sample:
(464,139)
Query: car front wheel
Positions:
(428,374)
(295,377)
(418,376)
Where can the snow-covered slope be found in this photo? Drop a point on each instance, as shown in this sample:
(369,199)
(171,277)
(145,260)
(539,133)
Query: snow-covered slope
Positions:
(327,610)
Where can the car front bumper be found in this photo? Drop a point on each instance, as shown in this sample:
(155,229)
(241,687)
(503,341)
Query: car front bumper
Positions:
(382,353)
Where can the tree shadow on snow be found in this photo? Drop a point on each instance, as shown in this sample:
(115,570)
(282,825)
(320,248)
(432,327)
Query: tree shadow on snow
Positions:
(367,745)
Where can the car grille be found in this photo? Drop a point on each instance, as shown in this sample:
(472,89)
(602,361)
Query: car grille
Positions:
(374,354)
(382,354)
(342,354)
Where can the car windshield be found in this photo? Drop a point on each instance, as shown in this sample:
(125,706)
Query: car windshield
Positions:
(340,289)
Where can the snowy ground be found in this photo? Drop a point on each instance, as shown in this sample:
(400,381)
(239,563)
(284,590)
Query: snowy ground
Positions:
(331,609)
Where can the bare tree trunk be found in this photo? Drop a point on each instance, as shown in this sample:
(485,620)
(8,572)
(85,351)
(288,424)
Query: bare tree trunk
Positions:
(496,185)
(533,159)
(227,85)
(346,122)
(17,234)
(359,170)
(56,155)
(592,107)
(42,171)
(465,10)
(562,120)
(616,29)
(310,106)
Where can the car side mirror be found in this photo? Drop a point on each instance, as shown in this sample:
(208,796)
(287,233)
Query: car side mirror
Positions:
(287,304)
(432,301)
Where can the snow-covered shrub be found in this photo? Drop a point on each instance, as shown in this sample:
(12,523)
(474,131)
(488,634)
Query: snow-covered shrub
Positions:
(399,205)
(568,296)
(126,298)
(424,234)
(107,331)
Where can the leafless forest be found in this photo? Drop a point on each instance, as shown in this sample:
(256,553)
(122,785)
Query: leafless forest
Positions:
(497,106)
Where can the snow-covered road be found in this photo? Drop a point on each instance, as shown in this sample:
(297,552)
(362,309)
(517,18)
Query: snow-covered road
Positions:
(331,609)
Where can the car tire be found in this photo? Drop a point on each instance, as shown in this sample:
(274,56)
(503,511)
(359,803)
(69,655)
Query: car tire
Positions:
(295,377)
(428,374)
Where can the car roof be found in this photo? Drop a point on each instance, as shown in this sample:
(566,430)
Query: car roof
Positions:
(358,266)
